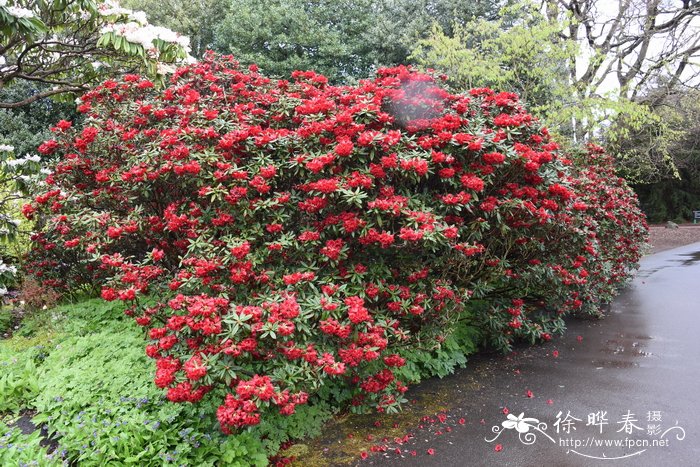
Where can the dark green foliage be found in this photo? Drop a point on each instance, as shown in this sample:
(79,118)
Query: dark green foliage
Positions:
(6,319)
(670,200)
(441,360)
(673,141)
(342,39)
(27,127)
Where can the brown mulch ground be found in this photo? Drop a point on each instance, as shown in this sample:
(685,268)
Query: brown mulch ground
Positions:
(662,238)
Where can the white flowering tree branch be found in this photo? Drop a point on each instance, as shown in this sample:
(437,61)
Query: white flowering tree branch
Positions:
(17,177)
(70,45)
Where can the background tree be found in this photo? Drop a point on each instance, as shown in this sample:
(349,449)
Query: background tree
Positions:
(582,65)
(629,43)
(26,127)
(283,36)
(16,175)
(673,191)
(626,47)
(343,39)
(516,51)
(22,130)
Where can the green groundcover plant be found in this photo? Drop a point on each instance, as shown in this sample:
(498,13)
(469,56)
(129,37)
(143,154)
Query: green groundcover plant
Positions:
(279,238)
(97,409)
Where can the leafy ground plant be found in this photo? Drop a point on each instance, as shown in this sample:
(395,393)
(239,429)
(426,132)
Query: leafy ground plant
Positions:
(18,380)
(99,409)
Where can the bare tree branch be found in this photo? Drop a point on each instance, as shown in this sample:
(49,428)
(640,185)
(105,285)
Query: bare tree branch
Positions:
(41,95)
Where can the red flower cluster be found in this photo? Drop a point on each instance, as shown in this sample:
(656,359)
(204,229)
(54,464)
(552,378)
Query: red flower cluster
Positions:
(292,234)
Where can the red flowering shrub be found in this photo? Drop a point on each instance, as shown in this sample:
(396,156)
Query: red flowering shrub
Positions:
(610,210)
(294,233)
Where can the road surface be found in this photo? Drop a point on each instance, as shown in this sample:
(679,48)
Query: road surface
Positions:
(623,391)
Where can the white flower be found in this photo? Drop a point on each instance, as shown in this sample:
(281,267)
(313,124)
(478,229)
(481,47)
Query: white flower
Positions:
(136,34)
(15,162)
(138,31)
(164,34)
(183,41)
(112,9)
(164,68)
(139,17)
(5,268)
(107,28)
(6,148)
(18,12)
(23,160)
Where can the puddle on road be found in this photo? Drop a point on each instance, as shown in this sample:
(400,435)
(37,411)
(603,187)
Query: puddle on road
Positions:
(693,258)
(614,364)
(624,346)
(645,273)
(686,259)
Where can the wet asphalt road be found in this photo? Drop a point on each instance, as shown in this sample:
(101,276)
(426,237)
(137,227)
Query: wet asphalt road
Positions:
(641,363)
